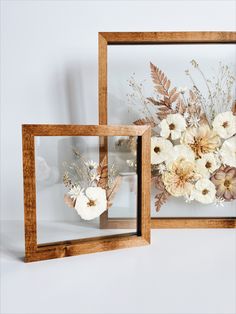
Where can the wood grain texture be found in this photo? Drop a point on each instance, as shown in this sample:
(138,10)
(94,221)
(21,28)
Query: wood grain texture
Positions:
(84,130)
(200,223)
(127,38)
(35,252)
(169,223)
(152,38)
(29,191)
(87,247)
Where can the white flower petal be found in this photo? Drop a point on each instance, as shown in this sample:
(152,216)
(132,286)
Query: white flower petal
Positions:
(91,205)
(228,152)
(204,191)
(224,124)
(165,130)
(160,150)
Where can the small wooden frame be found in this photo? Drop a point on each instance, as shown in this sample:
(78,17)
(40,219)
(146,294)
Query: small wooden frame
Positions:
(36,252)
(157,38)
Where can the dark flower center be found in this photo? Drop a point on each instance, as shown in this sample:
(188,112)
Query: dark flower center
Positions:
(172,126)
(225,124)
(227,183)
(91,203)
(205,191)
(157,149)
(208,165)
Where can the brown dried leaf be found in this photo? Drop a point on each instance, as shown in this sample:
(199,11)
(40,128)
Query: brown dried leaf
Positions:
(161,90)
(161,199)
(159,79)
(159,183)
(174,97)
(69,201)
(113,190)
(172,92)
(145,121)
(180,106)
(192,96)
(167,85)
(102,171)
(153,101)
(234,108)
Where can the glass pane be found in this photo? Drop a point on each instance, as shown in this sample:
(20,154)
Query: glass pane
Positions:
(196,85)
(74,189)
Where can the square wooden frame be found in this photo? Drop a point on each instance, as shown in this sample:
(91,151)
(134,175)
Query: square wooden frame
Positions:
(36,252)
(158,38)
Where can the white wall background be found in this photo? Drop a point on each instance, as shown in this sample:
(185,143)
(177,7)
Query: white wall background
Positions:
(49,63)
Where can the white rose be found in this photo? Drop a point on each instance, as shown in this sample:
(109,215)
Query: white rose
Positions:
(91,205)
(206,165)
(173,126)
(160,150)
(228,152)
(204,191)
(224,124)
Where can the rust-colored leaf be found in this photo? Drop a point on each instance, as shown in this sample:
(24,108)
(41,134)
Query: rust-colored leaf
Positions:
(167,85)
(161,198)
(160,80)
(113,190)
(172,92)
(180,107)
(174,97)
(161,90)
(102,171)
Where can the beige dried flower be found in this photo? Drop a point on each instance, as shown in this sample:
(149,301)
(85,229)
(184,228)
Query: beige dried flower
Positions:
(202,140)
(180,177)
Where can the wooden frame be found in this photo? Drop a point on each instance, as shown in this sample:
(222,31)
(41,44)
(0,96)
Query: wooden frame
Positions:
(147,38)
(35,252)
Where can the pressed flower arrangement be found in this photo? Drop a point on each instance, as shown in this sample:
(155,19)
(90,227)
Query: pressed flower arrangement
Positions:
(193,144)
(91,186)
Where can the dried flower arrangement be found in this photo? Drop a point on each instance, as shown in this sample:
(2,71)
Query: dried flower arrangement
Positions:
(193,144)
(92,186)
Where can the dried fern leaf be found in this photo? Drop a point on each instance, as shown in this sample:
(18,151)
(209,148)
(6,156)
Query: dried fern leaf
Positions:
(102,171)
(161,199)
(159,79)
(113,190)
(174,97)
(180,106)
(69,201)
(153,101)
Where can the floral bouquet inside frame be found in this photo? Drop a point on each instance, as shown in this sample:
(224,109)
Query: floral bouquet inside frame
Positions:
(91,186)
(193,144)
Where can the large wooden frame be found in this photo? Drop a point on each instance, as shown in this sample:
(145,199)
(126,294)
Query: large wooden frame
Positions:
(158,38)
(35,252)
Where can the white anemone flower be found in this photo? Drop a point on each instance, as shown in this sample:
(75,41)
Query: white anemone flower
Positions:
(181,151)
(224,124)
(206,165)
(91,164)
(173,126)
(228,152)
(91,204)
(75,192)
(204,191)
(160,150)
